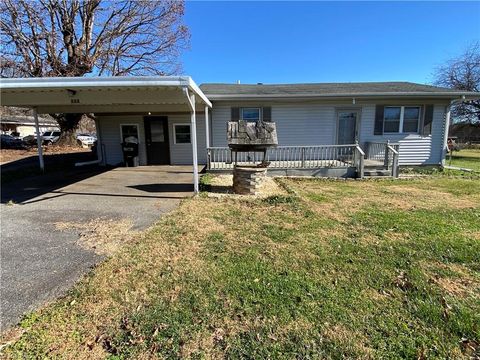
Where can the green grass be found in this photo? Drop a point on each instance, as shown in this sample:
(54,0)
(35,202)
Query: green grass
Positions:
(335,269)
(466,158)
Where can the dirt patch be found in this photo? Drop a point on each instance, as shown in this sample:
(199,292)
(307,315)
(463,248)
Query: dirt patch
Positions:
(9,155)
(104,236)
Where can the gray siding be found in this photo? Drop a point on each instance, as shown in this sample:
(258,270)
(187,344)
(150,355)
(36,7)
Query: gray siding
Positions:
(415,149)
(111,138)
(315,124)
(180,154)
(297,124)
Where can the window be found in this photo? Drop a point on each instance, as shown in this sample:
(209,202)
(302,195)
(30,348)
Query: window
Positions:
(250,114)
(181,133)
(401,119)
(411,115)
(391,117)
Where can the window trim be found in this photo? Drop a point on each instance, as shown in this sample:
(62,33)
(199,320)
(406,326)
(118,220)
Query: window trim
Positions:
(251,107)
(121,131)
(402,119)
(175,133)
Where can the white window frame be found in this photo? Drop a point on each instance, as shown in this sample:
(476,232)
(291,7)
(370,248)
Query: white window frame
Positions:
(175,133)
(121,131)
(251,108)
(402,115)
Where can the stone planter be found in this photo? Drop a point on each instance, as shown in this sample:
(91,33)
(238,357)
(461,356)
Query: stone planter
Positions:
(247,180)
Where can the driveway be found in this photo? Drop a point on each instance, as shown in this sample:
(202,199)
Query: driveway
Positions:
(38,262)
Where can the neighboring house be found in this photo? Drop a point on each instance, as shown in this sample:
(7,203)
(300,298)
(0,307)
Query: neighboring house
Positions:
(319,126)
(24,125)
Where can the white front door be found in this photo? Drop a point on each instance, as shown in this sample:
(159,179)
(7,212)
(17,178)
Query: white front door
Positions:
(347,126)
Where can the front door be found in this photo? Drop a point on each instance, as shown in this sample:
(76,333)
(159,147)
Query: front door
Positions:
(156,136)
(347,127)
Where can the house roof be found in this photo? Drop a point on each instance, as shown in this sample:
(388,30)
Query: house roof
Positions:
(308,90)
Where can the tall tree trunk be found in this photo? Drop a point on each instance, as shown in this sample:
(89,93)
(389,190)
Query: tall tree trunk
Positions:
(68,124)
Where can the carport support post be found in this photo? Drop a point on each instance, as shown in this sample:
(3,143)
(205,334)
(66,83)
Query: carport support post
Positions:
(193,132)
(39,140)
(207,130)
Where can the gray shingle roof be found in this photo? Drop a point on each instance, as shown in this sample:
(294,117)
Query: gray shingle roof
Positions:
(325,89)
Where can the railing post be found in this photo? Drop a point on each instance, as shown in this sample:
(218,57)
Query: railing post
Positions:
(385,161)
(209,165)
(395,165)
(303,157)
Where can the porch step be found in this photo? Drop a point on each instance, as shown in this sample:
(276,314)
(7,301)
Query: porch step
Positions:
(376,172)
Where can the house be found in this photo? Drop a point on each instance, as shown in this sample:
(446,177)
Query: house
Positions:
(325,127)
(24,125)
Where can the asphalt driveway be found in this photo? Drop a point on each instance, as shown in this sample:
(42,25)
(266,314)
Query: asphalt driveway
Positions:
(38,262)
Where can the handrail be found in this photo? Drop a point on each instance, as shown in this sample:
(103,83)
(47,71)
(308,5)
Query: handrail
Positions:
(288,157)
(360,162)
(395,160)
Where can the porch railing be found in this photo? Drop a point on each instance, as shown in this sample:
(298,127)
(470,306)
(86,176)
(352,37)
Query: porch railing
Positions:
(383,154)
(291,157)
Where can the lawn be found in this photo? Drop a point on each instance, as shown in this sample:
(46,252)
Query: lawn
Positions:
(335,269)
(466,158)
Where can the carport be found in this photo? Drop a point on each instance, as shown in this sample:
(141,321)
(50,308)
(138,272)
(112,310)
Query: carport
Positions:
(106,96)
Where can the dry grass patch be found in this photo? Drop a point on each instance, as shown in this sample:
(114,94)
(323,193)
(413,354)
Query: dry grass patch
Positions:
(462,283)
(104,236)
(341,335)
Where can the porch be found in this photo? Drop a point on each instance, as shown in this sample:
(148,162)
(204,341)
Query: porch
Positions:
(350,160)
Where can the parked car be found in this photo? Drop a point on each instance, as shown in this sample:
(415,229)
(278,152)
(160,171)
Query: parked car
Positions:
(86,139)
(50,137)
(10,142)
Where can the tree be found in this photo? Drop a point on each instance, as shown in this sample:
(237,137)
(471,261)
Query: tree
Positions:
(463,73)
(44,38)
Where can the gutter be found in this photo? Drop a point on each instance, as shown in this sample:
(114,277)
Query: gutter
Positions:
(445,94)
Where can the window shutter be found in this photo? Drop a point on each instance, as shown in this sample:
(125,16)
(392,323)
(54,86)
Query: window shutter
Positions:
(378,129)
(235,114)
(427,120)
(267,114)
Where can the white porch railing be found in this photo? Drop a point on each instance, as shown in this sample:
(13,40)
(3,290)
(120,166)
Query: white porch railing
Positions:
(292,157)
(383,154)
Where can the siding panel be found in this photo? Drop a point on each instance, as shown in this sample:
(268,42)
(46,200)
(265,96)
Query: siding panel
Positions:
(297,124)
(415,149)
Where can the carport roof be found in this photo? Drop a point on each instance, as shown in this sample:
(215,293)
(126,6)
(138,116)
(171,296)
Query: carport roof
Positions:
(101,94)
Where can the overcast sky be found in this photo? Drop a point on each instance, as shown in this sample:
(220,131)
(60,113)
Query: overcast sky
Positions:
(284,42)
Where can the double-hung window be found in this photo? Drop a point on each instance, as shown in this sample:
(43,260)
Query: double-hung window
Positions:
(250,114)
(181,133)
(401,119)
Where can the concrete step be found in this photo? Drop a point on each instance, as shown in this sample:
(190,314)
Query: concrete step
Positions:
(377,172)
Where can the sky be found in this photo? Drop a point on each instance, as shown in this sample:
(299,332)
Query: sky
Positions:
(287,42)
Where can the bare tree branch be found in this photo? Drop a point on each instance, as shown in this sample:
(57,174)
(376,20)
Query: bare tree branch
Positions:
(42,38)
(463,73)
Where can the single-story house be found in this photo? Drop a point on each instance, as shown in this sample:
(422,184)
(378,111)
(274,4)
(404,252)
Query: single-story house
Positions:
(24,125)
(324,125)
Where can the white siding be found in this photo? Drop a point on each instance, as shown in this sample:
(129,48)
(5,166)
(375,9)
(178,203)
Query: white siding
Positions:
(415,149)
(297,124)
(180,154)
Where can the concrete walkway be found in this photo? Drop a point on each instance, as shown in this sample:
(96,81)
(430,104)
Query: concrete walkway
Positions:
(38,262)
